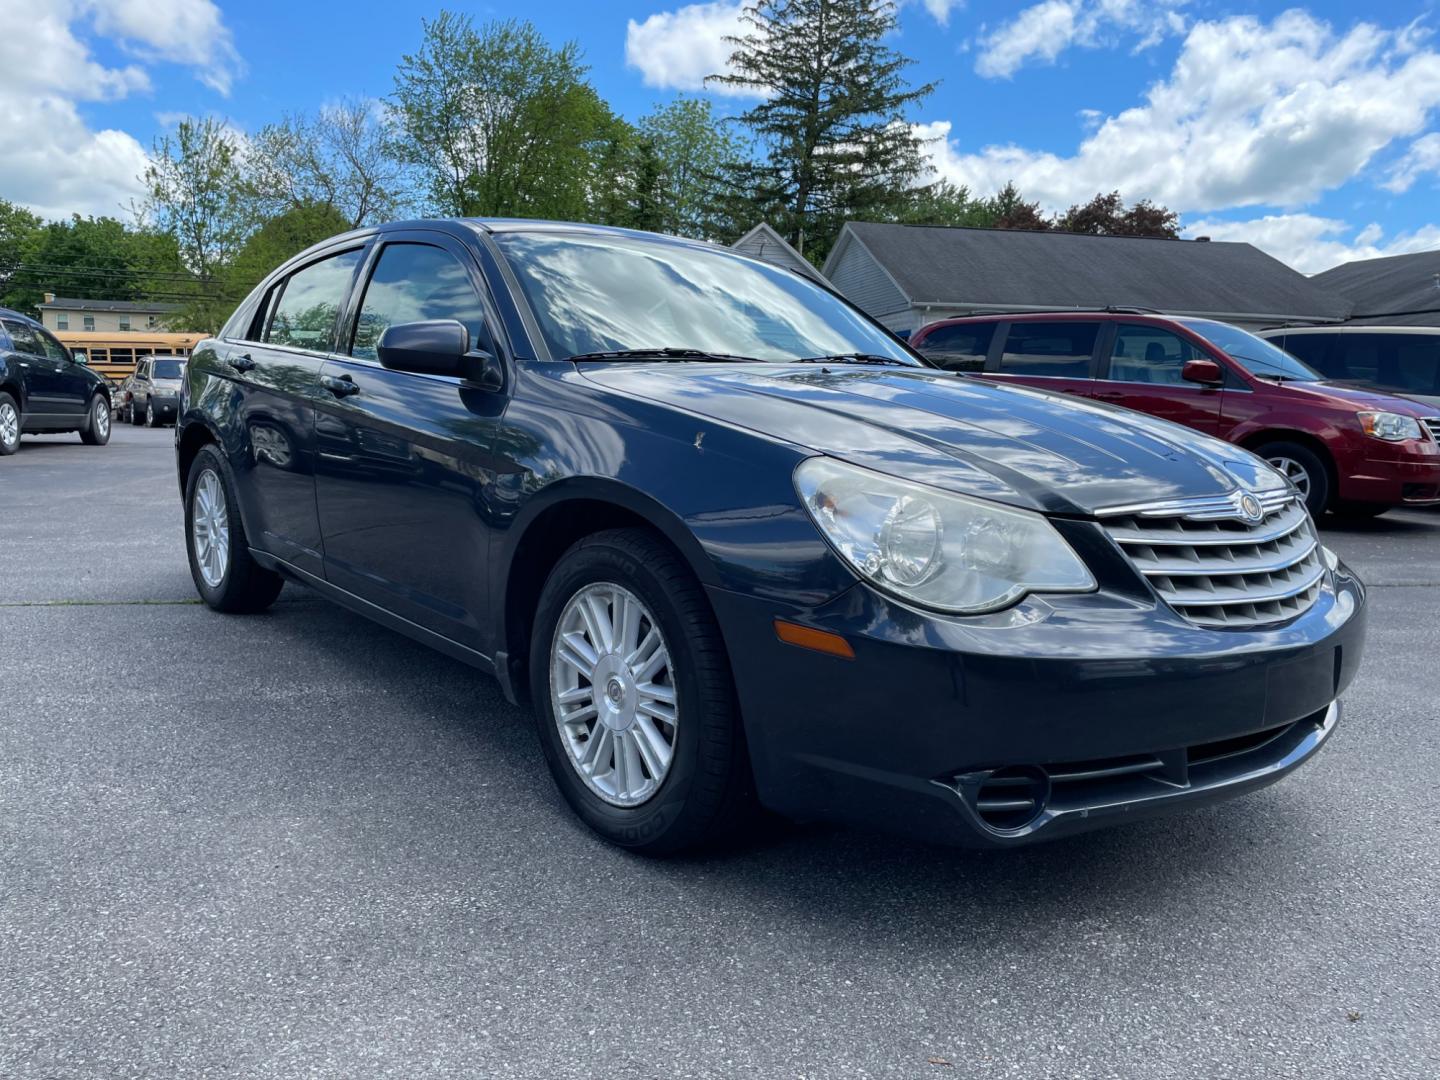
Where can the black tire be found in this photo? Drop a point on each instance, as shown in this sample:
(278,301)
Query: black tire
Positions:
(245,587)
(1317,498)
(707,794)
(150,419)
(95,433)
(8,445)
(1359,511)
(136,418)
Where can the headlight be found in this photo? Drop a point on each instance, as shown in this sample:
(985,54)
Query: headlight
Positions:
(1390,426)
(942,551)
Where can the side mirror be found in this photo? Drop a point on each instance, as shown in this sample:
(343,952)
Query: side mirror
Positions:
(80,358)
(1206,372)
(437,347)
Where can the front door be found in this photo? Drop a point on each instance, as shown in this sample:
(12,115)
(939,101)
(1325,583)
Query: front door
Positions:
(277,369)
(403,460)
(1143,372)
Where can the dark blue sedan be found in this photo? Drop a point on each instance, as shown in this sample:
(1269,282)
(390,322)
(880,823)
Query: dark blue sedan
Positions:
(740,547)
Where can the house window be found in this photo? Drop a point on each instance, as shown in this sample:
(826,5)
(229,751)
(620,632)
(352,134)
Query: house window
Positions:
(62,321)
(124,322)
(89,322)
(150,322)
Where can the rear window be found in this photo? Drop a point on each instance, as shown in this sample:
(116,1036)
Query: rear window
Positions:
(1057,349)
(961,347)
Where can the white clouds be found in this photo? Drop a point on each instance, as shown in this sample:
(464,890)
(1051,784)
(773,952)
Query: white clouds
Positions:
(1422,157)
(675,50)
(188,32)
(1252,114)
(54,162)
(1311,244)
(1044,30)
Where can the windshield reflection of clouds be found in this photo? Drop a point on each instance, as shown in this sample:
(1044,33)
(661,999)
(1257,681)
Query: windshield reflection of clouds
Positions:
(610,293)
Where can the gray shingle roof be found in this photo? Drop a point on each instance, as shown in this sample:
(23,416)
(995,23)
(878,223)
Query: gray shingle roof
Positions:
(763,242)
(1002,267)
(62,303)
(1398,283)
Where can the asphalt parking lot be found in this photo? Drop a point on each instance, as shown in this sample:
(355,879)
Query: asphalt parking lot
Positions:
(300,845)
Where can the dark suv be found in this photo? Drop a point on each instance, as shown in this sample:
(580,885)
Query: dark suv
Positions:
(1347,449)
(43,389)
(738,544)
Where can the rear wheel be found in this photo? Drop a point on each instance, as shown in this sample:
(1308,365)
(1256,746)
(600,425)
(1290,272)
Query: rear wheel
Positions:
(1303,468)
(226,576)
(9,425)
(634,700)
(96,431)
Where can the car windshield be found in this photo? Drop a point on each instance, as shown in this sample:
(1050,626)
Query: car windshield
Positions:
(615,293)
(169,369)
(1257,355)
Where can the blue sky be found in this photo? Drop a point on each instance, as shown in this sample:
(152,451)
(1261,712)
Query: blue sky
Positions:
(1302,128)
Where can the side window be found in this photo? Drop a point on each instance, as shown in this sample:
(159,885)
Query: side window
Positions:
(1057,349)
(1313,349)
(412,283)
(53,349)
(959,347)
(1149,354)
(25,339)
(305,313)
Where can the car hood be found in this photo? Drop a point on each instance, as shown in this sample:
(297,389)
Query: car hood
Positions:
(170,386)
(1013,444)
(1361,396)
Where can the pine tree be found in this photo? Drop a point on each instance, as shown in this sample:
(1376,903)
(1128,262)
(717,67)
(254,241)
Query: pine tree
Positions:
(832,123)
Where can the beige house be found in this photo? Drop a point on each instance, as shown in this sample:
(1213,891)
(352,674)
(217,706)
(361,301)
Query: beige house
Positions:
(59,313)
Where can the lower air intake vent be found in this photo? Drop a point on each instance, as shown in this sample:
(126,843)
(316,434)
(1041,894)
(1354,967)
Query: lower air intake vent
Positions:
(1012,798)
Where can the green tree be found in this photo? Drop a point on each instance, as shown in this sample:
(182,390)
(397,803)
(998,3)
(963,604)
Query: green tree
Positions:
(693,149)
(340,158)
(497,122)
(944,203)
(832,121)
(198,192)
(18,227)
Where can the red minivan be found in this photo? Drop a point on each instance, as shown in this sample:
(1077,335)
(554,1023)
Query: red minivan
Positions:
(1350,451)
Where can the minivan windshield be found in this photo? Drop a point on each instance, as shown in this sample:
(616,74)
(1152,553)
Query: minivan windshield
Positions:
(594,293)
(1257,355)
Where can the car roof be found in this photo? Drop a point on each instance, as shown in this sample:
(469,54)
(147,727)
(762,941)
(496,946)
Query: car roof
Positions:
(1287,330)
(10,313)
(1062,315)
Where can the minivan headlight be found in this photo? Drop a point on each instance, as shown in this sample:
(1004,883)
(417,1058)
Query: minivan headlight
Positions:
(1392,427)
(948,552)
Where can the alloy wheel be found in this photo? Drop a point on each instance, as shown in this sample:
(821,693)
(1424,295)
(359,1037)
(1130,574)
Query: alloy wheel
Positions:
(102,417)
(9,425)
(210,528)
(1293,471)
(612,691)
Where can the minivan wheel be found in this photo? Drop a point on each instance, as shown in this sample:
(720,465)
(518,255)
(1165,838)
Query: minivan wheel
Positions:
(634,701)
(226,576)
(96,431)
(9,425)
(1303,468)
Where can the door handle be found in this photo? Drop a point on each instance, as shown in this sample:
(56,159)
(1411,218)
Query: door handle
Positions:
(241,362)
(339,385)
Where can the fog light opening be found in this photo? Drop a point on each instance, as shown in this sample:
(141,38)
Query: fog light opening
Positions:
(1012,798)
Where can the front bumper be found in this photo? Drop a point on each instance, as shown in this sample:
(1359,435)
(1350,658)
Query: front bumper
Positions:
(1398,479)
(1096,708)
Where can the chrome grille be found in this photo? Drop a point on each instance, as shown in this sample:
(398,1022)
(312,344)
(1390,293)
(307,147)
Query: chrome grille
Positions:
(1432,425)
(1218,569)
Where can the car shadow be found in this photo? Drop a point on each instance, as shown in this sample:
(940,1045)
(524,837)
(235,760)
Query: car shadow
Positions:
(785,871)
(1406,523)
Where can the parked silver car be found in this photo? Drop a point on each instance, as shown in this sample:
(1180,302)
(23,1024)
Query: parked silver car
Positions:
(151,396)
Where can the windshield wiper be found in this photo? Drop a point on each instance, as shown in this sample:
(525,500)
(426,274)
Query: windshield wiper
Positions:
(665,354)
(854,358)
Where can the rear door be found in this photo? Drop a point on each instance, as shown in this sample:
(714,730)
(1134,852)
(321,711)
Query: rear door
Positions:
(1047,354)
(1142,371)
(276,365)
(42,369)
(403,459)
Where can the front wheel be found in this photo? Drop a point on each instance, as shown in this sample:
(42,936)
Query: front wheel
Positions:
(1303,468)
(226,576)
(150,420)
(96,431)
(634,700)
(134,414)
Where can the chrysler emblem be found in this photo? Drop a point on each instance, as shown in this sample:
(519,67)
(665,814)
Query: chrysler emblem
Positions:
(1250,507)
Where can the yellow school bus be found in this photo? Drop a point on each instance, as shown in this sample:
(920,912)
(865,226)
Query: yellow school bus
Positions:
(114,354)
